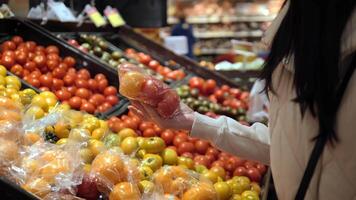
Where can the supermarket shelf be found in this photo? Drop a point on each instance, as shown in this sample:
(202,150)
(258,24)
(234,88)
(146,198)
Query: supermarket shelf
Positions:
(239,34)
(229,19)
(204,52)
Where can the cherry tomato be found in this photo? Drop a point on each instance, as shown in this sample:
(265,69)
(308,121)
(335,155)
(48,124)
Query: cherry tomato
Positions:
(201,160)
(201,146)
(42,89)
(40,60)
(97,99)
(72,71)
(150,132)
(218,163)
(168,136)
(145,125)
(102,84)
(57,84)
(31,45)
(106,106)
(186,154)
(63,94)
(69,80)
(17,39)
(82,93)
(83,74)
(35,74)
(63,66)
(7,61)
(93,84)
(59,73)
(53,56)
(99,77)
(81,83)
(87,107)
(112,99)
(70,61)
(30,66)
(21,57)
(52,49)
(72,89)
(178,140)
(46,80)
(34,82)
(75,102)
(254,174)
(17,70)
(8,45)
(40,49)
(209,86)
(52,64)
(186,147)
(111,90)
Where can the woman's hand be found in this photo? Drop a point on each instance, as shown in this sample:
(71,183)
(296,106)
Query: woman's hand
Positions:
(182,120)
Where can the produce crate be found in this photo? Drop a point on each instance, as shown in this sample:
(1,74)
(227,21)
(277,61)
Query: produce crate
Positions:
(34,32)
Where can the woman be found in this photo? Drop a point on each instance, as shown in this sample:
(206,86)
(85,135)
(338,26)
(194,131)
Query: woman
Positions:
(308,40)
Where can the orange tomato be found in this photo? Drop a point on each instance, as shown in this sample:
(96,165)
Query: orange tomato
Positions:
(202,191)
(125,191)
(173,179)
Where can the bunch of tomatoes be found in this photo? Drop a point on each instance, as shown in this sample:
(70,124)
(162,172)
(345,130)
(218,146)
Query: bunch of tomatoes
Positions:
(43,68)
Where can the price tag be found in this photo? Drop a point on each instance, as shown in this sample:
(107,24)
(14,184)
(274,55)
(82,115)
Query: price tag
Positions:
(95,16)
(61,11)
(114,17)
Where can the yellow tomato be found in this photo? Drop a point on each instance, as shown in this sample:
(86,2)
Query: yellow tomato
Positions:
(35,111)
(38,100)
(48,94)
(131,84)
(13,82)
(62,141)
(2,80)
(2,70)
(98,133)
(96,146)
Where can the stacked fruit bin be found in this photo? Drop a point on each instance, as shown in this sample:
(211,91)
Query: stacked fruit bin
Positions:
(103,147)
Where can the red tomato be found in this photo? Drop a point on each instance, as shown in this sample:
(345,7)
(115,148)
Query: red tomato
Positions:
(202,146)
(210,157)
(254,175)
(145,125)
(97,99)
(75,102)
(72,89)
(52,49)
(235,92)
(70,61)
(196,82)
(130,123)
(40,49)
(17,70)
(106,106)
(87,107)
(175,149)
(225,88)
(261,168)
(153,64)
(99,77)
(57,84)
(93,84)
(63,66)
(8,45)
(40,60)
(7,61)
(31,45)
(117,126)
(112,99)
(102,84)
(58,73)
(81,83)
(46,80)
(82,93)
(201,160)
(169,104)
(186,147)
(83,74)
(53,56)
(240,171)
(63,94)
(17,39)
(152,91)
(186,155)
(30,66)
(212,151)
(209,86)
(168,136)
(34,82)
(250,164)
(69,80)
(150,132)
(21,57)
(157,129)
(111,90)
(35,74)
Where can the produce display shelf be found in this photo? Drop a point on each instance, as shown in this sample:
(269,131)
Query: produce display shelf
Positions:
(34,32)
(223,19)
(218,34)
(11,191)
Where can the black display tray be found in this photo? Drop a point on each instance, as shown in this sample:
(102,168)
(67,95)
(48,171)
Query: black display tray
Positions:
(34,32)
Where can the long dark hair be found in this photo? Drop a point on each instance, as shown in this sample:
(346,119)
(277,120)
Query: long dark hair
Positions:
(311,31)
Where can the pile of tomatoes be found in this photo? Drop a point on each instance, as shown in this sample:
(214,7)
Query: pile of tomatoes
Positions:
(225,95)
(199,151)
(153,64)
(43,68)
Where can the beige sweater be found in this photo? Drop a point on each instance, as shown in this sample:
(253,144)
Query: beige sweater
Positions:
(286,144)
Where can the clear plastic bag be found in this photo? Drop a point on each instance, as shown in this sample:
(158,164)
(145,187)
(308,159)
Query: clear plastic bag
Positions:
(136,85)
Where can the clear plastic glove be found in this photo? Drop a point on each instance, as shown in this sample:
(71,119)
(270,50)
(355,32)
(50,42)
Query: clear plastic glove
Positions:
(182,120)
